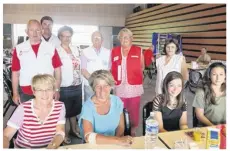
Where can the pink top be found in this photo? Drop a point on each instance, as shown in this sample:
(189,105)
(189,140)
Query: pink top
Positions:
(125,90)
(32,133)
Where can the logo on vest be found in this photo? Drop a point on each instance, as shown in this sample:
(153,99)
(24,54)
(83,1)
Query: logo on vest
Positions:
(115,58)
(20,53)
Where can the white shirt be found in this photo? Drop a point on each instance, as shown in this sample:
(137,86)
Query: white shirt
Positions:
(67,65)
(162,70)
(53,40)
(96,61)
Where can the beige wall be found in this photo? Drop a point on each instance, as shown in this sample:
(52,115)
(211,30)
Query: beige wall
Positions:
(85,14)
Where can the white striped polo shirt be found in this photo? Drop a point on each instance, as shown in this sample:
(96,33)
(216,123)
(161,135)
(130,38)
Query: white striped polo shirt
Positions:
(35,134)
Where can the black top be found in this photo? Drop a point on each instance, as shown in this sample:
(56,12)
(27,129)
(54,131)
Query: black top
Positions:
(170,117)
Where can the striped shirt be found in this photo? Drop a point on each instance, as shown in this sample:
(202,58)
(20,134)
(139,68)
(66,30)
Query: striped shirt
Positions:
(32,133)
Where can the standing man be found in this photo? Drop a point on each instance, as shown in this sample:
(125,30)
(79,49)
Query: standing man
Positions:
(94,58)
(204,58)
(47,25)
(127,65)
(30,58)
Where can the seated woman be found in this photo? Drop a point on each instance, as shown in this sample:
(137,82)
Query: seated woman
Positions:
(102,120)
(170,107)
(40,121)
(210,100)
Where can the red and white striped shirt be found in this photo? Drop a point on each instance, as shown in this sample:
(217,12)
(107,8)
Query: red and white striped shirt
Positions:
(31,132)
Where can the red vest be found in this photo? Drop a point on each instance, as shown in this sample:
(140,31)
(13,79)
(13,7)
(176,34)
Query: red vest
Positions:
(134,68)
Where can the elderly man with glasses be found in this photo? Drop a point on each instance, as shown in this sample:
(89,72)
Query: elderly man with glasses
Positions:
(94,58)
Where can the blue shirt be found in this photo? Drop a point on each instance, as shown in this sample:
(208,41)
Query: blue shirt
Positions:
(102,124)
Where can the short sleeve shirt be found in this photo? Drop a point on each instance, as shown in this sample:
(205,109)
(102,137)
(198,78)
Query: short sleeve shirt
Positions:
(17,118)
(214,113)
(102,124)
(170,117)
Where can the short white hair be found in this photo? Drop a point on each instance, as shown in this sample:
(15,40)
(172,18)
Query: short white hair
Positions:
(125,30)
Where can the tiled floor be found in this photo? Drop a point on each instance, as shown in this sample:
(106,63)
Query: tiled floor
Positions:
(149,94)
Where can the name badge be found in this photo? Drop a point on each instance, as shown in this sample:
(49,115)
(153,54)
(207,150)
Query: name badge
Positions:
(134,57)
(119,73)
(115,58)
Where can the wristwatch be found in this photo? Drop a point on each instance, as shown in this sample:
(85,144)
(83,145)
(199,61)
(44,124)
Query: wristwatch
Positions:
(57,90)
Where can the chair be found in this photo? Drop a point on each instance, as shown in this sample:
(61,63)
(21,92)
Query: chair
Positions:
(148,107)
(195,120)
(127,122)
(195,80)
(8,89)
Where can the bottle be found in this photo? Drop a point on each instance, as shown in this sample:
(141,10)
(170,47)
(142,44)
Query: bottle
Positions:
(151,132)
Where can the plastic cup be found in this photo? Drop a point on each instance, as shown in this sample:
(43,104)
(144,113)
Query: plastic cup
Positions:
(197,136)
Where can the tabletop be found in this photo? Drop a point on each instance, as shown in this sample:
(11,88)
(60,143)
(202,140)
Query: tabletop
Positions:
(200,67)
(138,143)
(168,138)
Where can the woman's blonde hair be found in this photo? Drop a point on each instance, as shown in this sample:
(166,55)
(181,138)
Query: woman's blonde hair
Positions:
(102,75)
(43,79)
(124,30)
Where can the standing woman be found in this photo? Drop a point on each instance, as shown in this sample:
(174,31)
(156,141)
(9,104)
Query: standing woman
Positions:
(171,61)
(127,65)
(71,89)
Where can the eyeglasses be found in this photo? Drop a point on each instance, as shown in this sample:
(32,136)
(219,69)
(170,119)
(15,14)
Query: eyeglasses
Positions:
(66,37)
(42,91)
(97,37)
(98,87)
(32,31)
(125,38)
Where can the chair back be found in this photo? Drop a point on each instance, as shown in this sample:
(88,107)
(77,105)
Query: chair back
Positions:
(148,107)
(195,77)
(195,80)
(127,122)
(195,120)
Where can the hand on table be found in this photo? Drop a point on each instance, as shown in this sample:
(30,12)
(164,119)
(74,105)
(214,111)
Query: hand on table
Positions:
(125,141)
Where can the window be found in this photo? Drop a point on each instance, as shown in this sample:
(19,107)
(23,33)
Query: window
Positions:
(81,37)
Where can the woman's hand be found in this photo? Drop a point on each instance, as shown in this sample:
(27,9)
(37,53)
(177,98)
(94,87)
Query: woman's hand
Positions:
(52,146)
(125,140)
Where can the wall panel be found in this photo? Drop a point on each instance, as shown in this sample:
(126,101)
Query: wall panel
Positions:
(201,25)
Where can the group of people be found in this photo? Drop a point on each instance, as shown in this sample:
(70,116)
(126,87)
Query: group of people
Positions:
(48,74)
(47,78)
(170,105)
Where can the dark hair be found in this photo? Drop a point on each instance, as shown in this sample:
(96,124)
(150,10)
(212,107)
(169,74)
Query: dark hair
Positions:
(46,18)
(64,28)
(170,77)
(169,41)
(208,91)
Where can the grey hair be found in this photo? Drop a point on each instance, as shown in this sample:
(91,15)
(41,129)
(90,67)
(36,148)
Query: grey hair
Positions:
(102,75)
(124,30)
(95,33)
